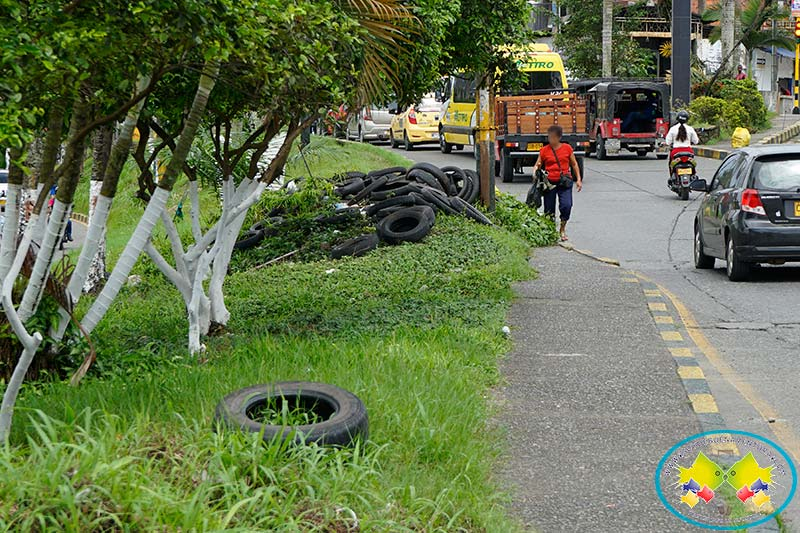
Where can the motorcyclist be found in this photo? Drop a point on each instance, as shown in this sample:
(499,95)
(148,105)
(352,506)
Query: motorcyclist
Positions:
(681,137)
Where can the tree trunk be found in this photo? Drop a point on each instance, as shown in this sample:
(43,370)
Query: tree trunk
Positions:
(101,153)
(728,31)
(158,201)
(8,245)
(608,32)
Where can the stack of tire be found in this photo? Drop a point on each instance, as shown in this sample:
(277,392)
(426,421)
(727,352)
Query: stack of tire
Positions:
(403,203)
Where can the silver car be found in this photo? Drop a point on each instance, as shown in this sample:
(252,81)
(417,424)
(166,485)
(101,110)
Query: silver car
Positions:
(369,124)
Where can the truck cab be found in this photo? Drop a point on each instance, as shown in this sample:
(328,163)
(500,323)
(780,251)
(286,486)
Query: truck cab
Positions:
(628,116)
(457,122)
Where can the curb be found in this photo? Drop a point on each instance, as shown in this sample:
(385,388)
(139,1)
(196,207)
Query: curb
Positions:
(590,255)
(782,136)
(711,153)
(80,218)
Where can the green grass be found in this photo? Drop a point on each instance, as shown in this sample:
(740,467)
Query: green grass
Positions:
(413,330)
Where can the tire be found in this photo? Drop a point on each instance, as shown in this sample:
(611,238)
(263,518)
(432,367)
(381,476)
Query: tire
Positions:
(475,214)
(438,200)
(736,269)
(361,135)
(600,151)
(641,153)
(251,239)
(340,217)
(381,195)
(405,225)
(267,226)
(366,191)
(389,171)
(438,173)
(476,187)
(346,416)
(701,260)
(661,156)
(388,189)
(684,194)
(506,168)
(355,247)
(459,147)
(424,177)
(350,187)
(444,146)
(426,210)
(392,142)
(407,144)
(405,199)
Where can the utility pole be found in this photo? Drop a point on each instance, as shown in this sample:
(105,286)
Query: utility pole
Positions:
(681,49)
(727,25)
(796,83)
(608,33)
(484,136)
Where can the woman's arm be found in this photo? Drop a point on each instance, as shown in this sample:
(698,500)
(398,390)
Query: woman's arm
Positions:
(538,163)
(576,171)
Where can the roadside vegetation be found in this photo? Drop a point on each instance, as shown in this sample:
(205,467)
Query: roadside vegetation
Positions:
(414,330)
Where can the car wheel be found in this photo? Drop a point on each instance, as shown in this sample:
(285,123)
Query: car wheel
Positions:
(360,135)
(737,269)
(506,168)
(444,146)
(392,141)
(340,417)
(684,193)
(701,260)
(641,153)
(407,144)
(601,149)
(459,147)
(661,156)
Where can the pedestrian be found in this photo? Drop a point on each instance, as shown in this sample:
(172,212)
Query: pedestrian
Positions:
(558,160)
(742,73)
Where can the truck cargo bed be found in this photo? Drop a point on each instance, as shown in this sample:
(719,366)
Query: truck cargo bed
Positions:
(526,115)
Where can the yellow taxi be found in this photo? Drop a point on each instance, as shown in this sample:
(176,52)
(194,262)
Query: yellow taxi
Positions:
(419,124)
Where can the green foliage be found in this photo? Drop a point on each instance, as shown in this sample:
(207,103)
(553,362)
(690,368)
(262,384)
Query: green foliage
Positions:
(752,27)
(518,218)
(734,115)
(706,110)
(746,93)
(414,330)
(579,40)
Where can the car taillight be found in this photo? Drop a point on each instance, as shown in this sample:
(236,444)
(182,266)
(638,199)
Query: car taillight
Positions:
(412,117)
(751,202)
(367,113)
(512,145)
(616,127)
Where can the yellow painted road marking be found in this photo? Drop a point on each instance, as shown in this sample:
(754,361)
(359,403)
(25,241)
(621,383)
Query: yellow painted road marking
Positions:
(664,319)
(671,336)
(652,292)
(703,403)
(681,352)
(630,280)
(783,432)
(656,306)
(691,372)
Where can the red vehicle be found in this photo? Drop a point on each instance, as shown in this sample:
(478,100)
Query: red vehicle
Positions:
(630,116)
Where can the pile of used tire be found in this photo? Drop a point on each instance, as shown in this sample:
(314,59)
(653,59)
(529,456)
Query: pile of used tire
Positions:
(403,203)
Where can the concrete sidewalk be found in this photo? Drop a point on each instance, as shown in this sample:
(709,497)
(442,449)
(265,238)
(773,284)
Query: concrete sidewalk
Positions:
(592,401)
(784,128)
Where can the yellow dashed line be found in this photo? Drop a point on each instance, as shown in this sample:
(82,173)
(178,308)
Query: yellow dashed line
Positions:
(630,280)
(681,352)
(664,319)
(672,336)
(657,306)
(652,293)
(703,403)
(691,372)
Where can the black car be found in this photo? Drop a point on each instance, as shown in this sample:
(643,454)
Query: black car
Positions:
(751,211)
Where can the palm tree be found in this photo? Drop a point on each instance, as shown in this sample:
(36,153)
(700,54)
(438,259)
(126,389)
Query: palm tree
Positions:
(752,18)
(608,32)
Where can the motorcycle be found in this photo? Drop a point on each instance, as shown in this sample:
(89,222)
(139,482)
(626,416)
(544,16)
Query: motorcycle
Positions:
(683,171)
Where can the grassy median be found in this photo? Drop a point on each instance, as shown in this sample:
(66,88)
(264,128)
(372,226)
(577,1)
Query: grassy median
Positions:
(414,330)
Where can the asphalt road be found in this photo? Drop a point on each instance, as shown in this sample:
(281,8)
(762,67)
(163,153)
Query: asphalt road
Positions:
(626,212)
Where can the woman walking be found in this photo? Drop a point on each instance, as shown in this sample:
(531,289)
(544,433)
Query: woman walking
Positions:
(562,170)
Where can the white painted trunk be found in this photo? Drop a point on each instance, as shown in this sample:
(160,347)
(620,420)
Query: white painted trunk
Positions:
(219,312)
(96,272)
(607,35)
(44,259)
(180,282)
(29,342)
(8,245)
(194,194)
(127,260)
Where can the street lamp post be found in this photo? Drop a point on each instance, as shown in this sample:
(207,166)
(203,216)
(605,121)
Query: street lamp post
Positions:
(681,52)
(796,80)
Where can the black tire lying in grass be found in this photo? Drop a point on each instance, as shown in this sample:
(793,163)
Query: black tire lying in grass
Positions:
(469,211)
(366,191)
(343,414)
(389,189)
(405,199)
(428,211)
(339,217)
(424,177)
(441,176)
(380,195)
(406,225)
(388,172)
(438,200)
(250,240)
(353,186)
(355,247)
(475,189)
(268,224)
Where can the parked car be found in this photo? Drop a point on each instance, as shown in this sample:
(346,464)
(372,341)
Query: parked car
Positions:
(370,123)
(751,211)
(419,124)
(3,189)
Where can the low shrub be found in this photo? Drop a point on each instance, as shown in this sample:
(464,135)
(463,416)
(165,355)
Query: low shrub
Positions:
(526,222)
(734,115)
(745,93)
(706,110)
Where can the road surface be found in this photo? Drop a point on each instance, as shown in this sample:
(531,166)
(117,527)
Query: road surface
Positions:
(747,339)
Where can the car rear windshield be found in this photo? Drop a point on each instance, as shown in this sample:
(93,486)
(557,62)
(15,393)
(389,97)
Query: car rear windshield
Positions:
(3,176)
(777,173)
(428,105)
(542,81)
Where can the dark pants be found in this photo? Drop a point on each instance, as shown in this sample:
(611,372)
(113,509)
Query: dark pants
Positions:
(564,196)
